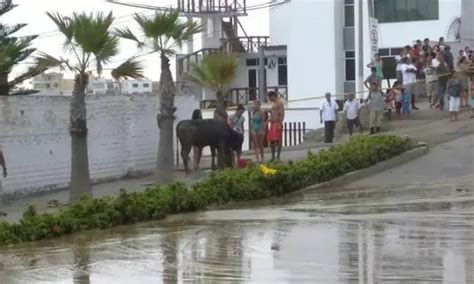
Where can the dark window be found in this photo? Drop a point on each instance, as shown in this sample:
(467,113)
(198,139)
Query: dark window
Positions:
(349,16)
(134,85)
(389,67)
(395,51)
(255,62)
(146,85)
(252,62)
(56,85)
(48,85)
(281,60)
(349,2)
(350,54)
(384,52)
(387,11)
(350,69)
(282,75)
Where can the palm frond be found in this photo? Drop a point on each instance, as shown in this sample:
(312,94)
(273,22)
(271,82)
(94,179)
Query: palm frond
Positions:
(92,31)
(215,71)
(166,30)
(6,6)
(46,61)
(64,25)
(132,68)
(126,33)
(6,31)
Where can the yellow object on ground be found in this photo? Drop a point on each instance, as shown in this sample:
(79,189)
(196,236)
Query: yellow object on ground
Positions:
(266,171)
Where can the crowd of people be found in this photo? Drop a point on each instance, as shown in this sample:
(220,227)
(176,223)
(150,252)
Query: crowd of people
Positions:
(434,66)
(421,68)
(265,124)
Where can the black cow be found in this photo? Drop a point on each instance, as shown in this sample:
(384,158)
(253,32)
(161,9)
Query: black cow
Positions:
(208,132)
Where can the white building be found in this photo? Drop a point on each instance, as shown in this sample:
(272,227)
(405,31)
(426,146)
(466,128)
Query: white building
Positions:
(136,86)
(53,83)
(101,86)
(223,32)
(328,41)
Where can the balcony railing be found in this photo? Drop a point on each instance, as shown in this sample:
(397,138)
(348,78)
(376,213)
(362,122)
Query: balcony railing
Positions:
(249,44)
(184,63)
(234,7)
(245,95)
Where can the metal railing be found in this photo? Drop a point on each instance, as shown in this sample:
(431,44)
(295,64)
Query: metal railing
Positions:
(184,63)
(249,44)
(245,95)
(212,6)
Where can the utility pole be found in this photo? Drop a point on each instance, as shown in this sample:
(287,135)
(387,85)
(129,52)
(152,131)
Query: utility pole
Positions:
(360,53)
(262,83)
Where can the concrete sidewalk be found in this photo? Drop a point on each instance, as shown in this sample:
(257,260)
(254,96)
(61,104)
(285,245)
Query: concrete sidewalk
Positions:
(431,131)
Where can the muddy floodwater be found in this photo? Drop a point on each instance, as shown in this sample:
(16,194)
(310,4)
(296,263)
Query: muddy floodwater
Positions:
(414,224)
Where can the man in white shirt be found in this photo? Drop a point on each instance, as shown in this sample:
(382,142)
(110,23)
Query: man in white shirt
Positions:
(328,115)
(409,80)
(351,109)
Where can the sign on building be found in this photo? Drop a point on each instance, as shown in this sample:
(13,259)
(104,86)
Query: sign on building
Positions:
(374,37)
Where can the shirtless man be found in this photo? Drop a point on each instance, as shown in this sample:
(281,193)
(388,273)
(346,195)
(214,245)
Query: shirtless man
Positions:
(277,115)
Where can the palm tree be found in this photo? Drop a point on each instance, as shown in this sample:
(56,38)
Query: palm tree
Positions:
(163,33)
(90,39)
(215,72)
(14,50)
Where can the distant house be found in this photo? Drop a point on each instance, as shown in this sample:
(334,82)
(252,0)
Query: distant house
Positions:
(136,86)
(53,83)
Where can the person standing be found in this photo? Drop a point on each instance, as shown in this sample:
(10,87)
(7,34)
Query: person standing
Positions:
(431,80)
(372,78)
(453,92)
(236,122)
(442,72)
(377,63)
(277,116)
(376,106)
(352,109)
(257,131)
(328,115)
(409,80)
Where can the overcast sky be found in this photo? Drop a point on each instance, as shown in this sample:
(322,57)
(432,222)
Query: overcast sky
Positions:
(50,41)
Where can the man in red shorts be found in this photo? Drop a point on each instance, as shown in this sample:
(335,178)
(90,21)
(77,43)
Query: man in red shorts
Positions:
(277,115)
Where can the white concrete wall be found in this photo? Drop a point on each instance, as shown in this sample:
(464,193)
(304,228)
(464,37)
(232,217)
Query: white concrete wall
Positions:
(311,41)
(123,138)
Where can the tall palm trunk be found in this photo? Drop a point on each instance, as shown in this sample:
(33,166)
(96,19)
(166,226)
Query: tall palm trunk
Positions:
(4,87)
(80,176)
(165,161)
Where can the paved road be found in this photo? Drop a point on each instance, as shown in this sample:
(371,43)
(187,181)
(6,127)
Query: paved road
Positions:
(412,224)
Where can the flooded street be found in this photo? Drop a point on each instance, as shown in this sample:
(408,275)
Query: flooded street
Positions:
(412,224)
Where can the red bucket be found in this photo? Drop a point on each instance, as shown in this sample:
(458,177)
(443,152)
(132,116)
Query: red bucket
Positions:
(243,163)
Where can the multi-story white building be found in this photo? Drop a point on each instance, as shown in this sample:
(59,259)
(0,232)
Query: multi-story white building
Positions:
(329,42)
(223,32)
(53,82)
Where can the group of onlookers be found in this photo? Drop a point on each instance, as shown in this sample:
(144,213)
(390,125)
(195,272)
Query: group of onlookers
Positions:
(264,124)
(423,67)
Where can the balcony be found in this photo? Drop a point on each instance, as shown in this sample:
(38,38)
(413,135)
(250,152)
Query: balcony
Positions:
(243,96)
(213,7)
(249,44)
(185,62)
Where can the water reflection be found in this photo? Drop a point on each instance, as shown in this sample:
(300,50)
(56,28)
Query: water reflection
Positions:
(301,242)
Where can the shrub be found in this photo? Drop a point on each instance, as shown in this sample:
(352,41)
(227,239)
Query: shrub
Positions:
(218,188)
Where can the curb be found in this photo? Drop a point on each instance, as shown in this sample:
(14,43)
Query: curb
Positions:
(421,150)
